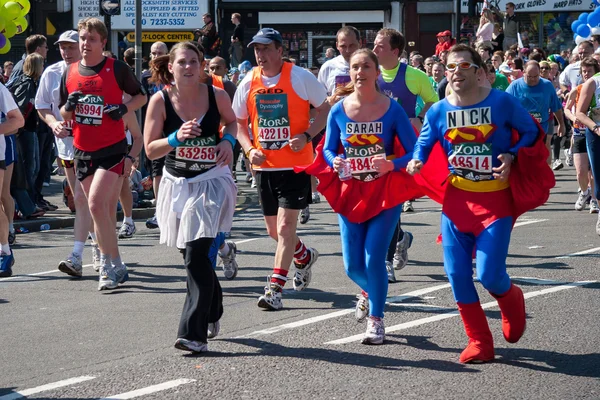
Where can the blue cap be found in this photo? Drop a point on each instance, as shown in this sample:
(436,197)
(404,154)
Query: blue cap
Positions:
(266,36)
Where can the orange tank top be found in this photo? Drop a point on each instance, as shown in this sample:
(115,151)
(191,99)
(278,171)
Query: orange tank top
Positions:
(278,114)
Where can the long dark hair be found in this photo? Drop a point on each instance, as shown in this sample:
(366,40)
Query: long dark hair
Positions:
(159,67)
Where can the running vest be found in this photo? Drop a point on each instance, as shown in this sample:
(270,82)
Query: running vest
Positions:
(578,127)
(398,91)
(92,130)
(594,112)
(198,155)
(277,115)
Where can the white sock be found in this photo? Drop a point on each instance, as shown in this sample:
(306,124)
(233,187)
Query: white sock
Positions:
(224,251)
(128,220)
(78,248)
(93,237)
(11,227)
(6,249)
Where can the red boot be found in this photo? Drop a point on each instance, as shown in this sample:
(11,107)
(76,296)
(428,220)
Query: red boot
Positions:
(512,308)
(481,343)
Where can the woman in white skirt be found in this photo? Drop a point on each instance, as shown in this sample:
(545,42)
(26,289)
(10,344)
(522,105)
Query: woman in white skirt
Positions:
(197,193)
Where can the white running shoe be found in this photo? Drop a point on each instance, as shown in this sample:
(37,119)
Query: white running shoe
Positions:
(96,257)
(230,265)
(594,209)
(253,184)
(557,164)
(304,215)
(390,271)
(121,273)
(72,266)
(271,300)
(375,333)
(213,329)
(568,157)
(127,230)
(401,254)
(108,279)
(191,345)
(304,271)
(408,206)
(362,307)
(582,199)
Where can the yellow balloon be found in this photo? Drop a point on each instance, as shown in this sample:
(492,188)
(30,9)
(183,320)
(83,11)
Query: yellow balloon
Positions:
(25,7)
(21,24)
(6,47)
(2,23)
(10,29)
(12,10)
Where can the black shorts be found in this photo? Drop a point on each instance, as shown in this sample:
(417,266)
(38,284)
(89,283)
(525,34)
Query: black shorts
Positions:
(282,189)
(579,145)
(157,167)
(86,168)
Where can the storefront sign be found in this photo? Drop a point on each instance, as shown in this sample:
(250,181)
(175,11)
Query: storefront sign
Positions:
(162,36)
(541,5)
(163,14)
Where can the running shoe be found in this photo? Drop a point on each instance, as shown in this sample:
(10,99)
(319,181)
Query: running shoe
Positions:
(375,333)
(127,230)
(213,329)
(582,200)
(271,300)
(401,254)
(316,198)
(108,278)
(72,266)
(12,238)
(390,271)
(151,223)
(362,307)
(568,157)
(304,271)
(96,257)
(253,185)
(121,273)
(248,177)
(6,263)
(408,206)
(557,164)
(304,215)
(191,345)
(594,209)
(230,265)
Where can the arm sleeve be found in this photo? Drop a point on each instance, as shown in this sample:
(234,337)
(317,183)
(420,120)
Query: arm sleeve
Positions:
(524,124)
(323,77)
(427,138)
(240,100)
(127,80)
(315,93)
(332,137)
(43,97)
(418,83)
(407,137)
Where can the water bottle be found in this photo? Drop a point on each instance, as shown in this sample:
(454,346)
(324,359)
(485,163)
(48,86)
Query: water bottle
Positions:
(45,227)
(345,172)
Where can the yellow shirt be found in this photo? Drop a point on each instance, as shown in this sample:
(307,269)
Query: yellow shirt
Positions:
(417,82)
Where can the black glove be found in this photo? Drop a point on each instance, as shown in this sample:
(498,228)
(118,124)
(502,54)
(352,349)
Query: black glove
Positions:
(115,111)
(72,101)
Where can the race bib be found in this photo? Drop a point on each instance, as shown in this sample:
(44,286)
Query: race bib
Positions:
(197,154)
(273,120)
(537,116)
(89,110)
(361,160)
(341,81)
(472,161)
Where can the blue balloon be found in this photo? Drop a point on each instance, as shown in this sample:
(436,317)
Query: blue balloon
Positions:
(583,17)
(575,25)
(584,31)
(594,18)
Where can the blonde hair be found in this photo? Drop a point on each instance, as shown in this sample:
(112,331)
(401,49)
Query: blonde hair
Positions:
(93,24)
(488,15)
(33,66)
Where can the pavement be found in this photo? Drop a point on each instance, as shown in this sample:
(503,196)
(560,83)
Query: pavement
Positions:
(62,339)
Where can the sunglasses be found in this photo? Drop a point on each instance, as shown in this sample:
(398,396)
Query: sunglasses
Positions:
(463,65)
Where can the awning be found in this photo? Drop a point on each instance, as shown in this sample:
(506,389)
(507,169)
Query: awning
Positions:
(303,5)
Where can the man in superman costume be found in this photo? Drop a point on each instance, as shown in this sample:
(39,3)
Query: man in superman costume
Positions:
(497,166)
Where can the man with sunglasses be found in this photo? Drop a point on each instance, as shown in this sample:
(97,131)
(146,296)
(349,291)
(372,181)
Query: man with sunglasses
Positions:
(474,126)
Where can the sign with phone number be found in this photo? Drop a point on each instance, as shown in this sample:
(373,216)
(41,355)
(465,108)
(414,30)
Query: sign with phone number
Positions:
(166,14)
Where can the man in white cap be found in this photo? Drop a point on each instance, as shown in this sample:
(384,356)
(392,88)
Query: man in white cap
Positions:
(47,102)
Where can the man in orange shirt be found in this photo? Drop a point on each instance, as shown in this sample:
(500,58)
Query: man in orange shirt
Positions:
(276,98)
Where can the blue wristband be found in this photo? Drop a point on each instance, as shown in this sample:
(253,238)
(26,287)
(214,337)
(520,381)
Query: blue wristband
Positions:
(172,139)
(230,139)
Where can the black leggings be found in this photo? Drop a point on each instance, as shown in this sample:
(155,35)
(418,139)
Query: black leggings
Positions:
(396,238)
(556,145)
(204,299)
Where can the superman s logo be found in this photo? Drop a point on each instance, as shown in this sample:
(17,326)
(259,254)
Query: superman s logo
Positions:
(474,134)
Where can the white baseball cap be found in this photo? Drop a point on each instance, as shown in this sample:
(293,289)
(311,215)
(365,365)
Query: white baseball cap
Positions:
(68,36)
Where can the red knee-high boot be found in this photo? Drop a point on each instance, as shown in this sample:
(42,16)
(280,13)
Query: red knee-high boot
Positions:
(512,308)
(481,343)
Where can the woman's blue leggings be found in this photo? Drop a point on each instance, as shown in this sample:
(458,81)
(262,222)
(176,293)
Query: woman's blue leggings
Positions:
(593,149)
(364,247)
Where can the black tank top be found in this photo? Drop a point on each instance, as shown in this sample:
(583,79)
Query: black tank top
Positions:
(194,156)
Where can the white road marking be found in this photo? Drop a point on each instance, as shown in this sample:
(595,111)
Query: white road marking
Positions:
(528,222)
(340,313)
(580,253)
(440,317)
(536,281)
(36,274)
(250,240)
(150,389)
(44,388)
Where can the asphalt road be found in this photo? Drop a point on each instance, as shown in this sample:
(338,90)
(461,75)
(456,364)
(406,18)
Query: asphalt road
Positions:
(62,339)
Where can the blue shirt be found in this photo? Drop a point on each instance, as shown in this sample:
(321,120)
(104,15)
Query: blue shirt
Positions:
(538,100)
(473,137)
(341,129)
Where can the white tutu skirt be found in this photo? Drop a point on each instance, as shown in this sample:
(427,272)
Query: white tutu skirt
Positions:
(199,207)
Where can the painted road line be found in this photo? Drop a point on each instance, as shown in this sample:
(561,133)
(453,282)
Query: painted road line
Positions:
(312,320)
(581,253)
(537,281)
(528,222)
(44,388)
(250,240)
(37,274)
(150,389)
(451,314)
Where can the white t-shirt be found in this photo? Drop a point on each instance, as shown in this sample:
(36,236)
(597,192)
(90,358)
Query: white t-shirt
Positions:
(571,77)
(333,73)
(48,98)
(304,83)
(7,104)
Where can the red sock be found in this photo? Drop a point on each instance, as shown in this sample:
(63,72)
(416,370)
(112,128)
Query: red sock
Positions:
(301,254)
(279,276)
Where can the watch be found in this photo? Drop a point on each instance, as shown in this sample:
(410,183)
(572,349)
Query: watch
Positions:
(308,137)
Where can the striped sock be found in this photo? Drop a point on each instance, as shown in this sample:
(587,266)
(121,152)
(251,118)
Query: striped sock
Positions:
(301,254)
(279,277)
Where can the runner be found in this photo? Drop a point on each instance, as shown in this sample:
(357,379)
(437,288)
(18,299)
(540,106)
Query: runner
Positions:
(11,120)
(403,84)
(197,198)
(92,92)
(481,203)
(47,102)
(588,67)
(276,97)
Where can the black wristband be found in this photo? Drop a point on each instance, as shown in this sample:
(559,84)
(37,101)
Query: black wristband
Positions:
(308,137)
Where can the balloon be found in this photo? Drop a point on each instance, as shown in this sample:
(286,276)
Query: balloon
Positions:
(2,24)
(12,10)
(583,17)
(594,18)
(575,25)
(584,31)
(25,7)
(2,40)
(6,47)
(10,29)
(21,24)
(596,30)
(579,40)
